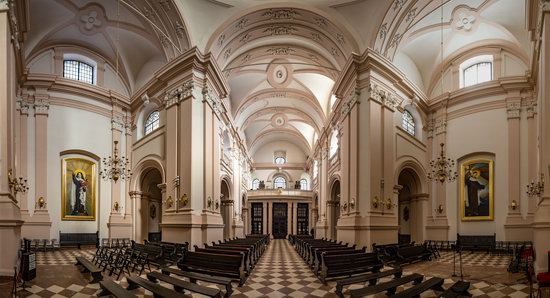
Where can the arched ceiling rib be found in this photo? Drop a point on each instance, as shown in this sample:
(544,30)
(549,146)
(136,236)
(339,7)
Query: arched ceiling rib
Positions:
(281,64)
(409,26)
(144,34)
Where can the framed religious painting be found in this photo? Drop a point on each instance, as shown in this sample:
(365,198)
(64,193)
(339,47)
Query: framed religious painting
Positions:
(78,189)
(476,190)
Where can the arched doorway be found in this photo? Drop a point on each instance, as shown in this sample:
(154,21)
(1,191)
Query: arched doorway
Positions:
(150,209)
(226,208)
(410,211)
(334,209)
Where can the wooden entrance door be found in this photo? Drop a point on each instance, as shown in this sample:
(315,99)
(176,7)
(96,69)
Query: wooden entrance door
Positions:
(280,220)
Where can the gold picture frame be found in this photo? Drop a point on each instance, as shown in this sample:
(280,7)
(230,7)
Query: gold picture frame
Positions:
(477,190)
(78,189)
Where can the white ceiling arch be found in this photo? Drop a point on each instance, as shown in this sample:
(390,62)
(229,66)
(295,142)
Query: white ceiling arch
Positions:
(281,64)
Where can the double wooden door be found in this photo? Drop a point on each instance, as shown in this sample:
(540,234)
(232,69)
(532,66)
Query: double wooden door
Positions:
(280,220)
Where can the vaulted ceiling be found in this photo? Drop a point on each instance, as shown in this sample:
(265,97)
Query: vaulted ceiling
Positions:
(280,58)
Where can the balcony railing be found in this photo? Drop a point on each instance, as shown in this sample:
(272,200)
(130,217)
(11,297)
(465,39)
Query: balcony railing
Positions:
(280,192)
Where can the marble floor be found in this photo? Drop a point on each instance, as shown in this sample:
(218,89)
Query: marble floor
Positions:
(280,273)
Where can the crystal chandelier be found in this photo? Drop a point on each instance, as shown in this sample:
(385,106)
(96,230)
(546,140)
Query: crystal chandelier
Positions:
(17,184)
(115,167)
(536,189)
(442,168)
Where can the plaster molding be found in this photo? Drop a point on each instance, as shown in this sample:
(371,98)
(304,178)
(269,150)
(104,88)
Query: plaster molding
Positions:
(23,106)
(41,107)
(513,109)
(117,123)
(350,103)
(213,101)
(531,108)
(4,5)
(179,94)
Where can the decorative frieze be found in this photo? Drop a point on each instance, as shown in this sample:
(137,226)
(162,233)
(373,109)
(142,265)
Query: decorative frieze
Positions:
(180,30)
(383,31)
(440,126)
(280,30)
(531,108)
(242,23)
(353,99)
(397,4)
(117,123)
(411,14)
(4,5)
(430,127)
(320,22)
(246,38)
(14,27)
(391,101)
(175,96)
(281,51)
(513,109)
(213,101)
(340,39)
(281,14)
(165,4)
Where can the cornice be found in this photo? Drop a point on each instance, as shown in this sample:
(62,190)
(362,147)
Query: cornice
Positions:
(271,166)
(491,88)
(55,83)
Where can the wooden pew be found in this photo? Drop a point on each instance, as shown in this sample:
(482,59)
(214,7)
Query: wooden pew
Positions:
(371,278)
(78,239)
(416,291)
(413,253)
(109,287)
(247,265)
(476,242)
(390,287)
(154,254)
(215,264)
(342,265)
(90,267)
(135,282)
(180,284)
(329,252)
(193,277)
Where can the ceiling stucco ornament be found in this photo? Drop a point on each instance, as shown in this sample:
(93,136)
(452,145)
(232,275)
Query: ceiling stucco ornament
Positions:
(281,14)
(279,74)
(180,30)
(465,21)
(320,22)
(340,39)
(221,39)
(165,4)
(383,30)
(316,37)
(227,53)
(397,4)
(242,23)
(281,51)
(245,38)
(279,120)
(411,14)
(91,19)
(280,30)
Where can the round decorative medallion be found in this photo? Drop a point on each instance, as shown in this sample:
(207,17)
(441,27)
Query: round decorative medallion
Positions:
(279,73)
(279,120)
(91,19)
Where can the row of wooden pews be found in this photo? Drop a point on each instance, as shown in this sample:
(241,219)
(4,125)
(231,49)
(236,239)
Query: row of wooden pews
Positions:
(329,259)
(221,263)
(351,266)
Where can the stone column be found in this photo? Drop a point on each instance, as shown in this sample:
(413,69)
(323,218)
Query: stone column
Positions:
(135,197)
(515,227)
(270,217)
(532,153)
(22,154)
(541,223)
(418,212)
(10,225)
(40,223)
(117,225)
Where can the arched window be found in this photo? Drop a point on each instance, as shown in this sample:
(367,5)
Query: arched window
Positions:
(77,70)
(478,73)
(152,122)
(303,184)
(333,143)
(280,160)
(255,184)
(279,182)
(408,122)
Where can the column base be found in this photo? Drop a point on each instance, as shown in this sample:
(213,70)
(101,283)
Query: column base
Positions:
(366,230)
(10,233)
(321,229)
(37,226)
(541,230)
(120,226)
(437,228)
(237,228)
(517,228)
(187,226)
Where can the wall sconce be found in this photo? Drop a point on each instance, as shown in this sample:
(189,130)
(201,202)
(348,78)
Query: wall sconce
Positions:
(514,205)
(536,188)
(389,203)
(169,202)
(184,200)
(41,203)
(17,184)
(439,209)
(217,204)
(352,204)
(209,202)
(345,206)
(280,190)
(116,207)
(375,202)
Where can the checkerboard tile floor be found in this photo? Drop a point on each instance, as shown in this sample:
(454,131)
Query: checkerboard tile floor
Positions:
(279,273)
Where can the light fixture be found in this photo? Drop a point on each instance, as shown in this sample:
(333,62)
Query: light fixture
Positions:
(442,168)
(536,188)
(115,167)
(439,209)
(375,202)
(514,205)
(17,184)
